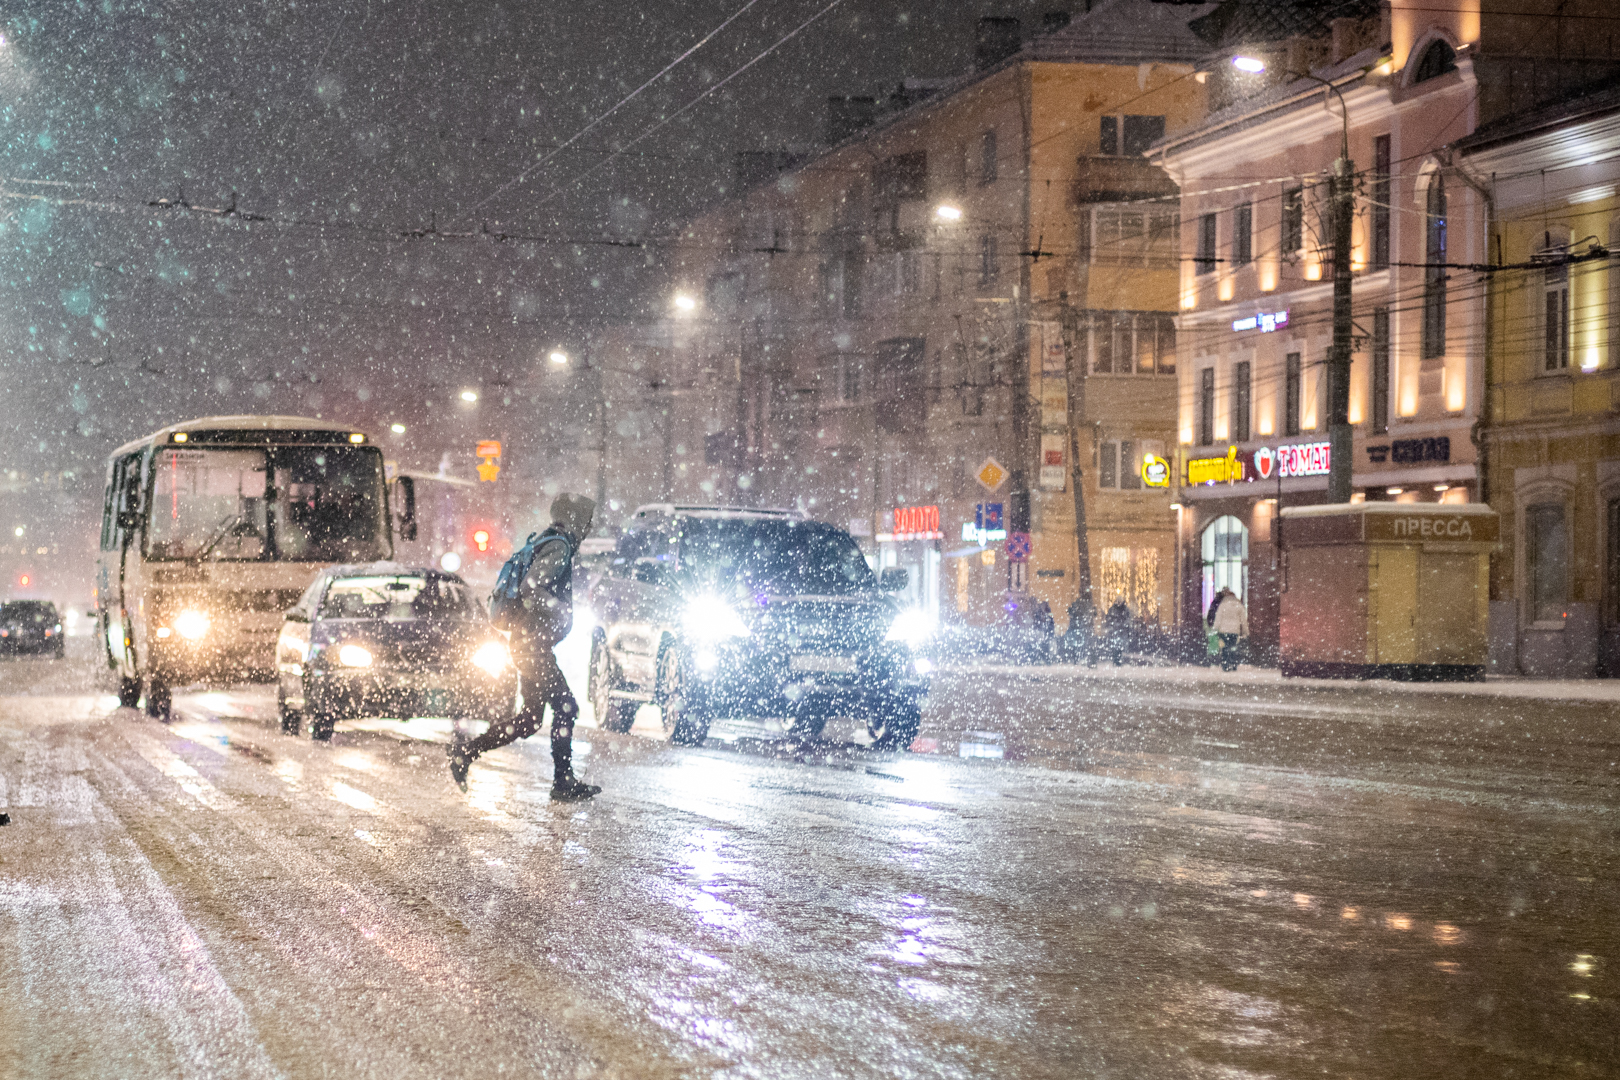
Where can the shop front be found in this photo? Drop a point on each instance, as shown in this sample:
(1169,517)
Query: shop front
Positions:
(912,543)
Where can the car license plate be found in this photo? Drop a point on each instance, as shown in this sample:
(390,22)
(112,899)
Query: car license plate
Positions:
(838,664)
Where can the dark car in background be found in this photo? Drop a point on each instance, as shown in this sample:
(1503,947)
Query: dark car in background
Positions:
(712,612)
(30,627)
(381,639)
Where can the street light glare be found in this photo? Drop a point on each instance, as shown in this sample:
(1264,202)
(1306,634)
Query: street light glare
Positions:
(558,357)
(469,395)
(947,212)
(397,429)
(685,303)
(1253,65)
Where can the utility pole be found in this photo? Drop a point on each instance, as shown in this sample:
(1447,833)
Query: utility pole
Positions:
(1074,375)
(1341,450)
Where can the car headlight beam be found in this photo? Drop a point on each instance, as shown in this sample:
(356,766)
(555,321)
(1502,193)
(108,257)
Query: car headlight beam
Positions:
(354,656)
(492,658)
(709,619)
(191,624)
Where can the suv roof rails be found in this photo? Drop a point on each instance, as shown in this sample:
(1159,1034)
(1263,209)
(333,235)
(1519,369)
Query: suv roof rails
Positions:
(712,511)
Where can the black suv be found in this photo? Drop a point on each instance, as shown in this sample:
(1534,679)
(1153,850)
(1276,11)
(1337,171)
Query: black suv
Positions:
(709,612)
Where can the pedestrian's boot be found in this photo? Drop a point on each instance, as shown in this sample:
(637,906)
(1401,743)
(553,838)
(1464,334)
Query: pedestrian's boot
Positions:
(460,759)
(566,787)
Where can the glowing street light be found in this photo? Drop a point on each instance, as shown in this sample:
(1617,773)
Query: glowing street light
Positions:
(1251,64)
(947,212)
(397,429)
(558,357)
(469,395)
(683,302)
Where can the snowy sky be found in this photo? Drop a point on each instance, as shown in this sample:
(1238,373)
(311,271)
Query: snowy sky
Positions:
(384,115)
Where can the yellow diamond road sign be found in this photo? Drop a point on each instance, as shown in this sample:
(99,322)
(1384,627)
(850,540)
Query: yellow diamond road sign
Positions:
(991,474)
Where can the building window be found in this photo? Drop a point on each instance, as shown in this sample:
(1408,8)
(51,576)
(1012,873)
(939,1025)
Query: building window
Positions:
(1139,133)
(1142,342)
(1434,273)
(1130,469)
(1291,394)
(1134,238)
(849,377)
(1380,371)
(1242,234)
(1611,565)
(908,273)
(1108,465)
(1380,203)
(1293,220)
(987,158)
(1206,244)
(1555,319)
(1438,59)
(854,265)
(1206,406)
(1224,548)
(988,264)
(1241,390)
(1546,561)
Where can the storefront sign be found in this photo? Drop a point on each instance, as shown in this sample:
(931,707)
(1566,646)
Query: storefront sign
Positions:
(1464,528)
(1155,471)
(489,452)
(1412,451)
(1266,323)
(1304,459)
(1217,470)
(917,523)
(974,535)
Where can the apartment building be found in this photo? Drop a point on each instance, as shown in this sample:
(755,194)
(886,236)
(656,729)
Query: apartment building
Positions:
(1295,87)
(960,308)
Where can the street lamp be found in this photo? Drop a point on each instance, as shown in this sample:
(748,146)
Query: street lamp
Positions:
(397,429)
(685,303)
(469,396)
(947,212)
(558,357)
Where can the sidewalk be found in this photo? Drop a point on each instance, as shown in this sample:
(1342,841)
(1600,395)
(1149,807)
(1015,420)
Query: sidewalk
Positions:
(1605,691)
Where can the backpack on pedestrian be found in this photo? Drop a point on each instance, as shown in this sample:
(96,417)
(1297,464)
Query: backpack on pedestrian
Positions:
(506,609)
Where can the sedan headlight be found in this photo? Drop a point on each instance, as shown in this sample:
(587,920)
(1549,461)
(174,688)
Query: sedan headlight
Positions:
(492,657)
(709,618)
(911,626)
(354,656)
(191,625)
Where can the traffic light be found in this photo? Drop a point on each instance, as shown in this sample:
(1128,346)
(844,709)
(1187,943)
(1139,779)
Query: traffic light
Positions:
(24,580)
(480,539)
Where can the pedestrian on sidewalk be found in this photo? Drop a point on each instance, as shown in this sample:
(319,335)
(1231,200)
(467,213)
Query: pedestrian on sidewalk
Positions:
(534,602)
(1117,630)
(1230,621)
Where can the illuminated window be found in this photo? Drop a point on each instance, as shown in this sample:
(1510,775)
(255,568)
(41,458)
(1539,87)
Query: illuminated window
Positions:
(1224,548)
(1555,317)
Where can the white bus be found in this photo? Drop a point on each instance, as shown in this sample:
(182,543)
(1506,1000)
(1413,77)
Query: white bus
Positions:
(211,529)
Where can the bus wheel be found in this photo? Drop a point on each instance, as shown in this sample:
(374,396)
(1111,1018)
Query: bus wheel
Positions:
(158,699)
(129,693)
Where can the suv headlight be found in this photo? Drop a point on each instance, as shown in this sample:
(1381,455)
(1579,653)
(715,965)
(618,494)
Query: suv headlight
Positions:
(912,627)
(492,657)
(354,656)
(709,618)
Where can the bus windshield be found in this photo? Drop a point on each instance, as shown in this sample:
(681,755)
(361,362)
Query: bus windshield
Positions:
(325,505)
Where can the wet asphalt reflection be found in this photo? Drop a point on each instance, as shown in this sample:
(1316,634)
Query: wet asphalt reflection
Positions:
(1074,873)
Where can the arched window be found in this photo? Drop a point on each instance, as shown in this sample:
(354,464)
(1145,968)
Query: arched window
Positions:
(1437,59)
(1225,558)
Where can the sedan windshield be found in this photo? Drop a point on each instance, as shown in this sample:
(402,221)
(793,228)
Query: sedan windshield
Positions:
(397,599)
(796,558)
(25,612)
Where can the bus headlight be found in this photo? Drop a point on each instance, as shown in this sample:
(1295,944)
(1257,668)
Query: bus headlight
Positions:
(191,625)
(492,657)
(709,618)
(354,656)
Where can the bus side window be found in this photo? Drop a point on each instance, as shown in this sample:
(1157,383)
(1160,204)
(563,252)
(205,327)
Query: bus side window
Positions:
(109,500)
(123,494)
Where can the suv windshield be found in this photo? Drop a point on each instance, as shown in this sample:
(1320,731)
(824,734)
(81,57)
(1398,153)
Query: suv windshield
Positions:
(804,558)
(398,598)
(20,612)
